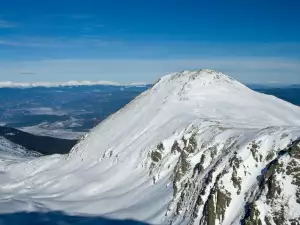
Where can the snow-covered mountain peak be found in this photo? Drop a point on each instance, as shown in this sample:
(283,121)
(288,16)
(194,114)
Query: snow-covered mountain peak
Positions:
(202,146)
(197,148)
(201,80)
(202,76)
(180,100)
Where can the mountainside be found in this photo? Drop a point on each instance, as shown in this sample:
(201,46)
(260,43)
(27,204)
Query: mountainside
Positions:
(8,148)
(197,148)
(42,144)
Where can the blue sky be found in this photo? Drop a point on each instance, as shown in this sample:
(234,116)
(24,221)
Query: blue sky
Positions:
(139,41)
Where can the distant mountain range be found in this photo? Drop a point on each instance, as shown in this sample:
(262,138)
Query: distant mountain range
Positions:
(11,84)
(268,86)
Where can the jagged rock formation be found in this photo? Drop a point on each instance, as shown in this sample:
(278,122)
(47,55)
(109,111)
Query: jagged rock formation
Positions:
(197,148)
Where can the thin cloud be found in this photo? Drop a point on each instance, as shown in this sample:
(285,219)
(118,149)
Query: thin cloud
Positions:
(27,73)
(81,16)
(73,16)
(7,24)
(10,43)
(92,26)
(99,25)
(247,70)
(56,42)
(19,43)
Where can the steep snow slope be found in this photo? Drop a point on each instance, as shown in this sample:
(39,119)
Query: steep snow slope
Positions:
(198,147)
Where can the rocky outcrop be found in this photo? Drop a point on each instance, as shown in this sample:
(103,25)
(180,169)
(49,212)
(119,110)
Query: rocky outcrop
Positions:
(209,178)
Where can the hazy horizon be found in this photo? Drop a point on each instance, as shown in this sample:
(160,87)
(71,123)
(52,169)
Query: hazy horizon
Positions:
(136,41)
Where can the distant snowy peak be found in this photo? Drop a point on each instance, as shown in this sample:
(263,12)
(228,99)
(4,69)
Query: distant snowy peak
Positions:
(10,84)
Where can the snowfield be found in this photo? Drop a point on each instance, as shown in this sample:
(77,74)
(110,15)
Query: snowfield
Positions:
(197,148)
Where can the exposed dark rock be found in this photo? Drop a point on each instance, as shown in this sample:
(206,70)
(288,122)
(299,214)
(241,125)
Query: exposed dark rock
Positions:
(236,180)
(156,156)
(192,144)
(223,201)
(270,155)
(160,146)
(254,147)
(175,148)
(253,216)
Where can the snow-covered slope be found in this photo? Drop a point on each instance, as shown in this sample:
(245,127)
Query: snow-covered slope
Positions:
(9,149)
(197,148)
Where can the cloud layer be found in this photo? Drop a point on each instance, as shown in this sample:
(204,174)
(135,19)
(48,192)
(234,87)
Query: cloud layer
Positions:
(247,70)
(6,24)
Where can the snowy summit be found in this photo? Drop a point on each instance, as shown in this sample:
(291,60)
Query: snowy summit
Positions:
(197,148)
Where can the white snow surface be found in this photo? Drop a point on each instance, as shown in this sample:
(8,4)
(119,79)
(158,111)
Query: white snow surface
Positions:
(10,150)
(110,171)
(60,129)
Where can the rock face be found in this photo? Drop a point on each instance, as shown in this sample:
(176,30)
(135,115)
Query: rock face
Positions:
(197,148)
(233,182)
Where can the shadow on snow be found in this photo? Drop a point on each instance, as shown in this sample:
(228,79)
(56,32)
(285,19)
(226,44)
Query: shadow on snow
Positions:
(59,218)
